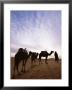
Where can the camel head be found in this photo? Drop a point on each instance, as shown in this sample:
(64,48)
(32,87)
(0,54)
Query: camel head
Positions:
(51,52)
(20,50)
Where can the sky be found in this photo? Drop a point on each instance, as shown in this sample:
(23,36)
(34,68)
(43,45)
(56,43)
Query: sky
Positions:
(35,30)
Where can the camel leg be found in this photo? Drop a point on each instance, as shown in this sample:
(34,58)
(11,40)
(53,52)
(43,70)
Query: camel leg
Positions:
(40,61)
(34,60)
(31,62)
(17,69)
(22,66)
(13,72)
(46,60)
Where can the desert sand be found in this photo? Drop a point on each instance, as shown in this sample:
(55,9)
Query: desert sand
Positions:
(52,70)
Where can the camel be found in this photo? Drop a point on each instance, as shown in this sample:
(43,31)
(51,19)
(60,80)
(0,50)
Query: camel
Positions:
(33,56)
(44,54)
(23,56)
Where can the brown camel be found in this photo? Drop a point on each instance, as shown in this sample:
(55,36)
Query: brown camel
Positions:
(33,56)
(23,56)
(44,54)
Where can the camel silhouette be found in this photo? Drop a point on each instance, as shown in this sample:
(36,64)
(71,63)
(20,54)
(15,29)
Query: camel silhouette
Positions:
(21,55)
(44,54)
(33,56)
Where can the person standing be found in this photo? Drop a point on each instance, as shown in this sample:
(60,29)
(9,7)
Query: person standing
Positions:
(56,56)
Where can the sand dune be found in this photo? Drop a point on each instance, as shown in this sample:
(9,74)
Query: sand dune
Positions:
(52,70)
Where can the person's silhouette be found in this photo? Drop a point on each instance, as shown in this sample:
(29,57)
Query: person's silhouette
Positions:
(56,56)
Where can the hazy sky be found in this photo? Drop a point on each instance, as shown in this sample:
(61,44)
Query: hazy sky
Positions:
(35,30)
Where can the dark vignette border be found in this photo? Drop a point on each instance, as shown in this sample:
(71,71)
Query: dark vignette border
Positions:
(70,43)
(1,45)
(2,36)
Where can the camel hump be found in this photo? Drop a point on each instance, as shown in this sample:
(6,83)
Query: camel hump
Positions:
(33,53)
(20,50)
(44,52)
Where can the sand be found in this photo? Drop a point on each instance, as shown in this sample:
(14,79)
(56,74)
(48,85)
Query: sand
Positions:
(52,70)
